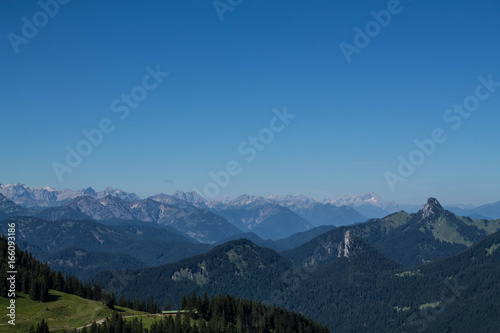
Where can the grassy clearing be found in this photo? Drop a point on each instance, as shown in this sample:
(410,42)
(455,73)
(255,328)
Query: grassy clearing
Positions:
(429,305)
(403,309)
(490,250)
(63,311)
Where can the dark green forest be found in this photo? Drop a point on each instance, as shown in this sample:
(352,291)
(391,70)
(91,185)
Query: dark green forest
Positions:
(364,292)
(218,314)
(222,313)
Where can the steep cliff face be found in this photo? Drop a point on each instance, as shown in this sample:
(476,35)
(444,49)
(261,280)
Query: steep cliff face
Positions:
(345,247)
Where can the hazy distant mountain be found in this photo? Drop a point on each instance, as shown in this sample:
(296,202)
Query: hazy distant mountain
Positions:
(488,211)
(318,213)
(61,213)
(48,197)
(328,214)
(171,200)
(72,245)
(263,217)
(191,197)
(370,205)
(283,244)
(101,209)
(118,193)
(244,201)
(409,239)
(290,200)
(199,224)
(9,208)
(300,238)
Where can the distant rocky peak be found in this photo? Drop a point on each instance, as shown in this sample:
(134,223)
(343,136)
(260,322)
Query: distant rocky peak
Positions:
(247,200)
(431,208)
(290,199)
(192,197)
(89,191)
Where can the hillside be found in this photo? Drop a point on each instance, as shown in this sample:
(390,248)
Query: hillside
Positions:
(62,311)
(9,208)
(84,248)
(356,289)
(200,224)
(457,294)
(243,269)
(238,268)
(410,239)
(85,265)
(59,311)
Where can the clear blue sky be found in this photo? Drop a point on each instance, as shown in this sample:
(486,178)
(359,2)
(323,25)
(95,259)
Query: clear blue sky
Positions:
(352,121)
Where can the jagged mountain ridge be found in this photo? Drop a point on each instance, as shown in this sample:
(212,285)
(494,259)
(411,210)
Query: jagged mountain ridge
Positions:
(199,224)
(33,197)
(370,204)
(247,212)
(410,239)
(143,243)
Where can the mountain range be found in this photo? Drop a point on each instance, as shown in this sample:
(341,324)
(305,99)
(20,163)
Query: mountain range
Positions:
(199,224)
(384,274)
(359,290)
(409,239)
(398,240)
(71,246)
(368,205)
(34,197)
(207,222)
